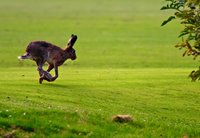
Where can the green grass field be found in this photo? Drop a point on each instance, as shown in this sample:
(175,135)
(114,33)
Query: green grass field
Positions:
(126,65)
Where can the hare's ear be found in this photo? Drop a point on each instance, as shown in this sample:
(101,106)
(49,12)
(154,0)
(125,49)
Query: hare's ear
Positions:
(71,41)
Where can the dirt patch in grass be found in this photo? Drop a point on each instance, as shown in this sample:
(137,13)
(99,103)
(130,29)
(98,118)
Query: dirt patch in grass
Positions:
(13,132)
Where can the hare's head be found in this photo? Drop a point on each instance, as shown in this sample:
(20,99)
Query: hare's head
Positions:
(71,52)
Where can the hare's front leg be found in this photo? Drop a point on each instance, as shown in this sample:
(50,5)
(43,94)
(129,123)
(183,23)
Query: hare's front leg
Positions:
(46,75)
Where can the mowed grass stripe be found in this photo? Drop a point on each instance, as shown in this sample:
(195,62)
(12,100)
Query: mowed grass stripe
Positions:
(162,100)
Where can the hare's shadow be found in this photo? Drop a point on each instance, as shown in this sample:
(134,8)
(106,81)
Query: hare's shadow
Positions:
(63,86)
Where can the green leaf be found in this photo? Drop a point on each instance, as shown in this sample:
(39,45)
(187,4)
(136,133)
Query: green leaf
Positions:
(168,20)
(183,33)
(165,7)
(194,75)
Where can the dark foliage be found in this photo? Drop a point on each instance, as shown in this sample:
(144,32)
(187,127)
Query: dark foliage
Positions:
(188,13)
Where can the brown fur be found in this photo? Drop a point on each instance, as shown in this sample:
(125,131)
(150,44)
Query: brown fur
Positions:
(41,52)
